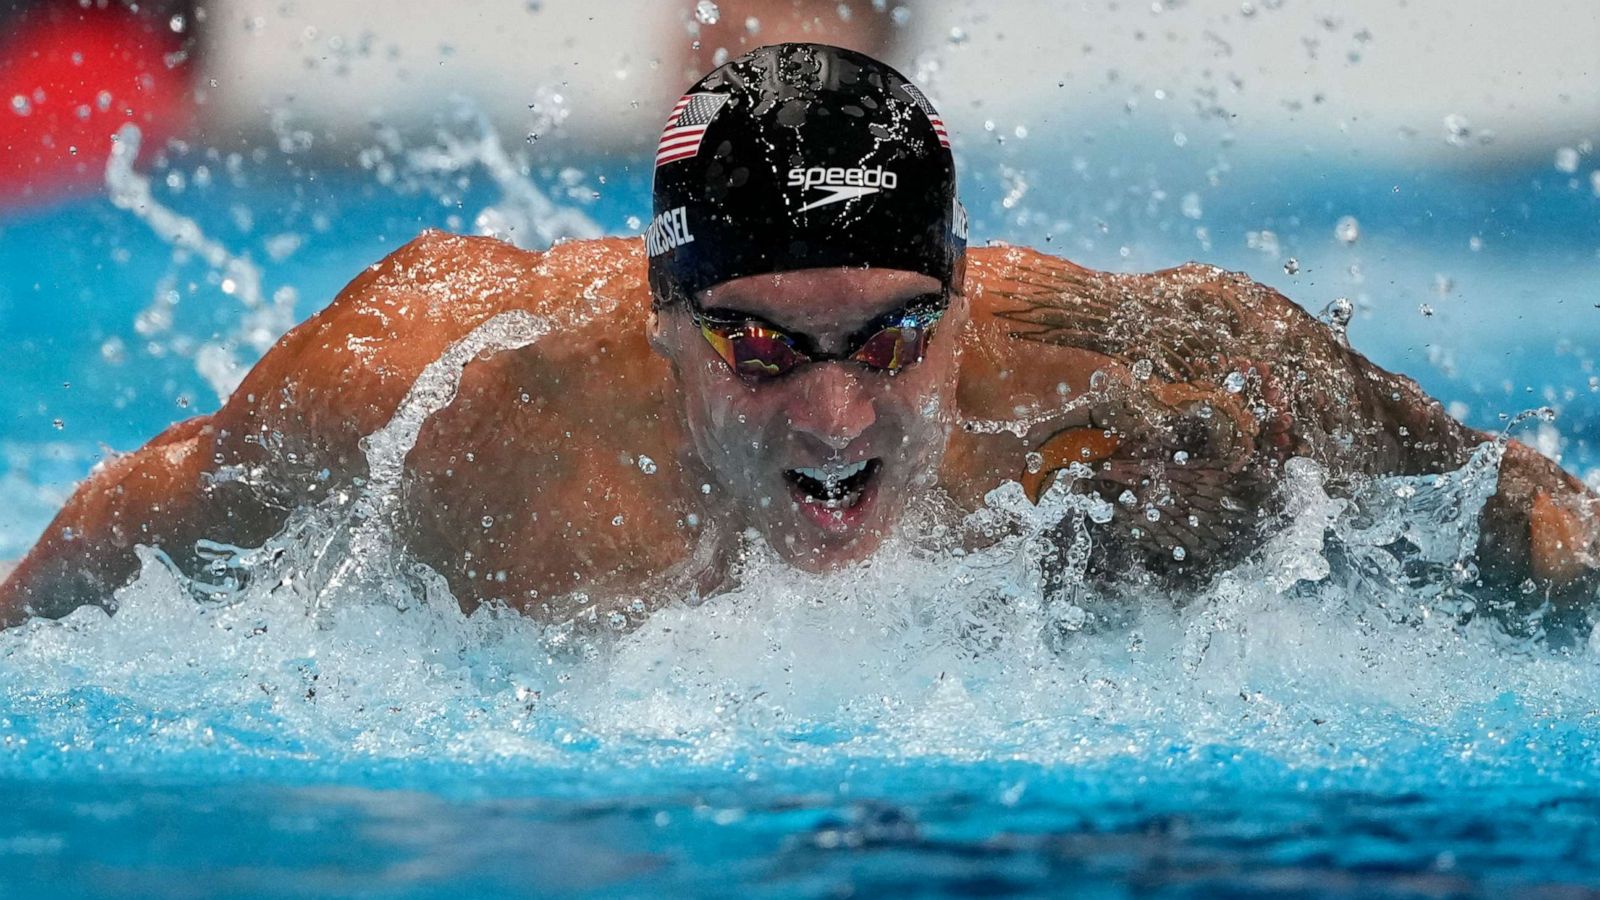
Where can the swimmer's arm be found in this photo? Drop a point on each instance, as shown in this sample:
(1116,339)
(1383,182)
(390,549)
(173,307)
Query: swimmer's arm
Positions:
(289,432)
(146,497)
(1197,325)
(222,477)
(1542,525)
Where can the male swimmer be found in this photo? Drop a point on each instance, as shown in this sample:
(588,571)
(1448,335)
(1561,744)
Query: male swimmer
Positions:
(800,345)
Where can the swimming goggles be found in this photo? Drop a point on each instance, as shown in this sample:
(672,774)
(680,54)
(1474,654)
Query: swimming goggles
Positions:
(756,350)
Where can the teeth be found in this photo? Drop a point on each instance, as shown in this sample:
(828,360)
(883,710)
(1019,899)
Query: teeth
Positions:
(844,502)
(833,476)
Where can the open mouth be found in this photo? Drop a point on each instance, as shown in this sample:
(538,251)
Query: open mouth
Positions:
(835,487)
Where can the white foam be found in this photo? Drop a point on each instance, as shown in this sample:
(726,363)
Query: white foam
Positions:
(1317,652)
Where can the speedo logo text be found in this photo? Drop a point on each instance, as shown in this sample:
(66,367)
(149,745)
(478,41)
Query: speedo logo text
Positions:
(841,183)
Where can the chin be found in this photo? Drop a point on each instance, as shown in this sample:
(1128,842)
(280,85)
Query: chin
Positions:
(822,558)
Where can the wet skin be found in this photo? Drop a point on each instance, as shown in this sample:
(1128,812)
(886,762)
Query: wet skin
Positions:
(532,487)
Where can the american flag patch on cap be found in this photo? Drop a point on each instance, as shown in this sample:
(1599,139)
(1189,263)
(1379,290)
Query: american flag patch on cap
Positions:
(928,110)
(686,127)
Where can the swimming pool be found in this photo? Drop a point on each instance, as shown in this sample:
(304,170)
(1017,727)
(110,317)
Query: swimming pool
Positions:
(927,723)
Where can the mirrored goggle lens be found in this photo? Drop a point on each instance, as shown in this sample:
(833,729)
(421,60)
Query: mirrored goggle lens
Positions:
(893,348)
(755,352)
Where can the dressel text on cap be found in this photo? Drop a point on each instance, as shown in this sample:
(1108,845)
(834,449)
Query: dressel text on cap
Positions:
(668,231)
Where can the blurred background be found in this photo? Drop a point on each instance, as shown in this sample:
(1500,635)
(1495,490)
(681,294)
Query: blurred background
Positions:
(185,180)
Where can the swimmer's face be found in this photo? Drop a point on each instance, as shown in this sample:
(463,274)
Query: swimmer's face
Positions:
(822,460)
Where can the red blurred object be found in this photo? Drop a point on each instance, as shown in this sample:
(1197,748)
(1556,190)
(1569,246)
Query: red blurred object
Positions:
(69,78)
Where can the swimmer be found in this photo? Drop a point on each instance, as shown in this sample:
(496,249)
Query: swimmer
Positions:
(800,345)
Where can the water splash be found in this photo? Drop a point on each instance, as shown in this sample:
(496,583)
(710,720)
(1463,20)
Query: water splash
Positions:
(1347,637)
(525,215)
(264,321)
(371,547)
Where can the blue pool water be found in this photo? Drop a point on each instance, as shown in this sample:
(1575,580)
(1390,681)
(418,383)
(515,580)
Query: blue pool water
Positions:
(929,726)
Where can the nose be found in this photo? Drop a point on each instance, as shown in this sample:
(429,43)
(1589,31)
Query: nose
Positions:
(831,404)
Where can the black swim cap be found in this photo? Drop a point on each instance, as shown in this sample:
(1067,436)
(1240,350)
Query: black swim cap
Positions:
(798,156)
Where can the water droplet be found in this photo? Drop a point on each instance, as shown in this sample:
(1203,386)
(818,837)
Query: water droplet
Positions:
(1457,130)
(20,105)
(616,520)
(1425,309)
(958,35)
(1567,160)
(1143,369)
(1034,462)
(1178,553)
(1337,314)
(114,351)
(1292,266)
(707,12)
(1152,514)
(647,465)
(1265,241)
(1181,457)
(178,23)
(1234,383)
(1347,230)
(1475,243)
(1190,206)
(488,521)
(58,424)
(1127,499)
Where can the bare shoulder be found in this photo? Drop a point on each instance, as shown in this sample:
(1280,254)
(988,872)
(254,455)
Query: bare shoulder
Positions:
(1180,319)
(343,372)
